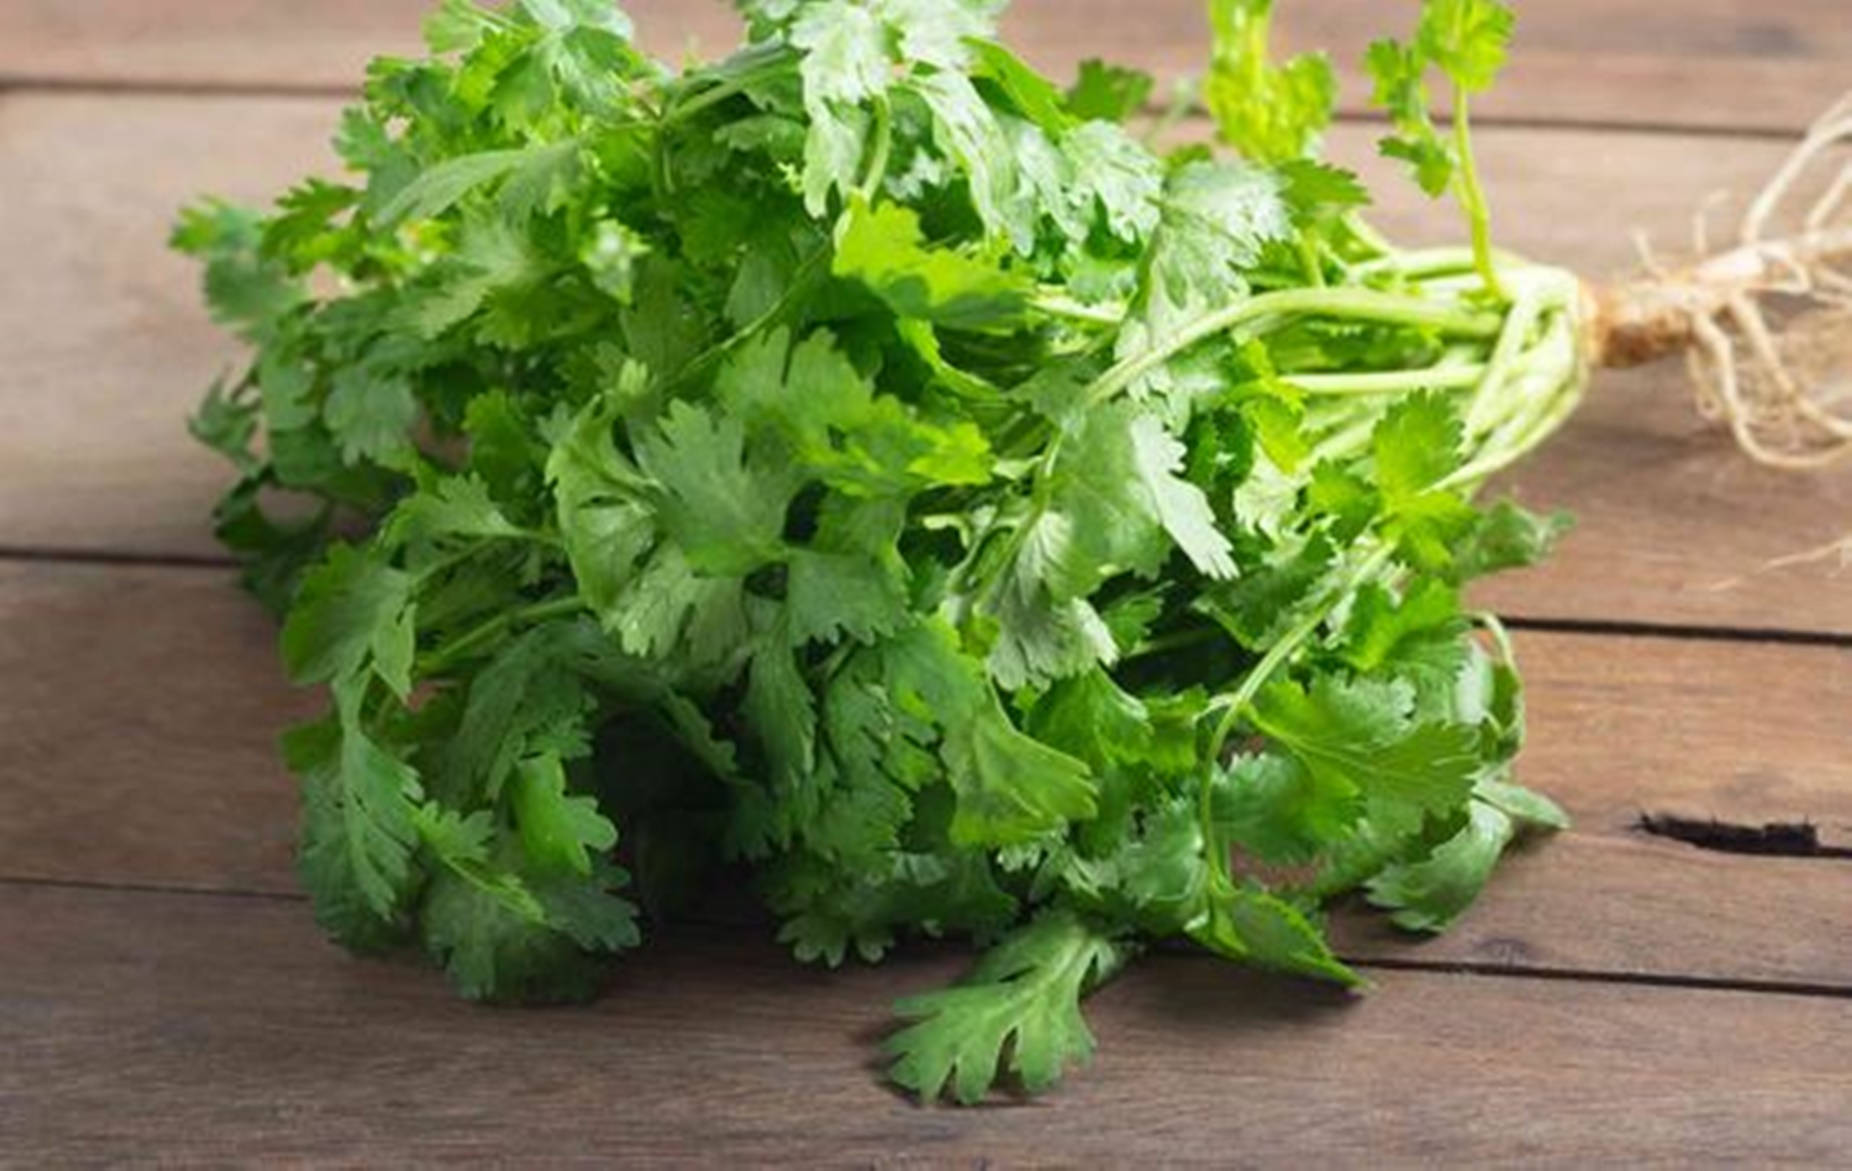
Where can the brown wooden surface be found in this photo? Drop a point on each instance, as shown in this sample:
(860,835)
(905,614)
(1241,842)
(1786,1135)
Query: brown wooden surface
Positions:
(164,996)
(90,410)
(126,1030)
(1702,63)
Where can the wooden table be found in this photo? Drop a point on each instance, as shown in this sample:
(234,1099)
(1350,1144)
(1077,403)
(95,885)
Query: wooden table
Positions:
(1615,998)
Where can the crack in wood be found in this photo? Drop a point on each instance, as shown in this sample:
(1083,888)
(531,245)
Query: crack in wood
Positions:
(1774,839)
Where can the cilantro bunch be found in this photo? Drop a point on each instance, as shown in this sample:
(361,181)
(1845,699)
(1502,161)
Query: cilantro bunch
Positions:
(865,460)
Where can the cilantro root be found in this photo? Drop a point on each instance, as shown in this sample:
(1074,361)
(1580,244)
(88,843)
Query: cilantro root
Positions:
(1763,325)
(864,462)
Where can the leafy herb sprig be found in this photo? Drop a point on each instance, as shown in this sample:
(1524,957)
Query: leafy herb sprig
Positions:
(862,458)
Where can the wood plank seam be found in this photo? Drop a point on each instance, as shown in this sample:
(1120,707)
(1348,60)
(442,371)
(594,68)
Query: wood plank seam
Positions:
(1174,948)
(29,84)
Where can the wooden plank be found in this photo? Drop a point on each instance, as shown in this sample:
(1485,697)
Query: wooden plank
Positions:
(91,404)
(1706,63)
(184,788)
(141,710)
(195,1030)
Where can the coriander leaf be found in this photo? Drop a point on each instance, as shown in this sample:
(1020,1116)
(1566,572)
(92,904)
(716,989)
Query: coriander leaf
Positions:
(1466,38)
(1115,175)
(1528,808)
(1396,70)
(1507,537)
(457,506)
(1280,810)
(1024,995)
(558,831)
(358,830)
(1264,930)
(883,248)
(1428,895)
(1270,113)
(831,595)
(371,416)
(1109,93)
(1033,95)
(1416,445)
(1179,505)
(353,611)
(726,512)
(1356,738)
(845,52)
(1010,787)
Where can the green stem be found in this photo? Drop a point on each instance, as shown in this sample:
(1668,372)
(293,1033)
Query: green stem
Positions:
(800,285)
(877,160)
(1308,256)
(457,648)
(1389,381)
(1176,640)
(1056,305)
(1472,195)
(732,87)
(1347,304)
(1290,644)
(1262,673)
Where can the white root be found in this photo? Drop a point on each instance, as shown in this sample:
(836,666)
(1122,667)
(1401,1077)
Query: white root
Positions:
(1766,325)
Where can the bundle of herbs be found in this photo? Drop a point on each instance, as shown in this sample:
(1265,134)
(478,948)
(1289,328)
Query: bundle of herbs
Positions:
(862,459)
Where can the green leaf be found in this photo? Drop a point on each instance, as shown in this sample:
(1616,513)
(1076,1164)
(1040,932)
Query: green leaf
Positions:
(603,518)
(1281,811)
(1430,894)
(1356,738)
(1033,95)
(1179,505)
(726,513)
(1528,808)
(371,416)
(358,829)
(353,611)
(1508,537)
(1467,39)
(1397,71)
(456,506)
(1114,177)
(835,595)
(1268,932)
(883,248)
(1270,113)
(1024,996)
(1109,93)
(443,186)
(1010,787)
(1416,445)
(559,832)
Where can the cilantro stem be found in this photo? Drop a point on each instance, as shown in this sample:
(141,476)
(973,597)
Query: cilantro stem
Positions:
(1472,195)
(1289,644)
(1389,381)
(1236,705)
(1314,264)
(877,159)
(1349,304)
(1056,305)
(1176,640)
(731,87)
(442,657)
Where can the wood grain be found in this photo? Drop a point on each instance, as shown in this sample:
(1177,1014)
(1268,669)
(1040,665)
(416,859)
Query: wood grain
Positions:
(108,350)
(144,705)
(197,1030)
(1699,63)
